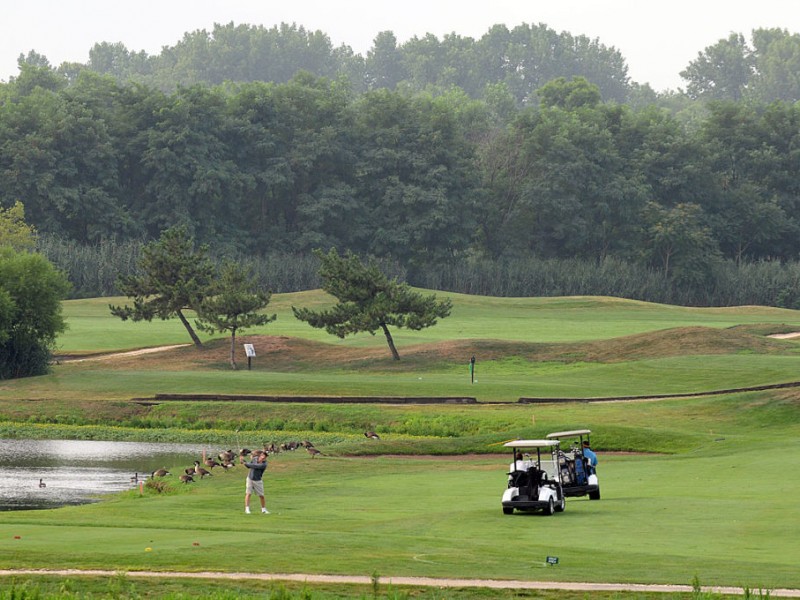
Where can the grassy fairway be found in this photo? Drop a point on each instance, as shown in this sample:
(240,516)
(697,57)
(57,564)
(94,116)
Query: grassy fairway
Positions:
(473,317)
(662,519)
(496,381)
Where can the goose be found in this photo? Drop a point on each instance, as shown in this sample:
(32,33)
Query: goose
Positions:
(372,435)
(135,478)
(200,470)
(189,471)
(187,478)
(161,473)
(226,456)
(227,465)
(313,451)
(42,484)
(211,463)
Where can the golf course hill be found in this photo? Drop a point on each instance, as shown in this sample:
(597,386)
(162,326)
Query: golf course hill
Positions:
(293,354)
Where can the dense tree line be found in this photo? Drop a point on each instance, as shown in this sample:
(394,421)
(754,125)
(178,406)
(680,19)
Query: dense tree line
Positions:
(523,59)
(763,68)
(423,173)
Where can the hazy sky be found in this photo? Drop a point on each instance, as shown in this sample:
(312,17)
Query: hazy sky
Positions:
(657,39)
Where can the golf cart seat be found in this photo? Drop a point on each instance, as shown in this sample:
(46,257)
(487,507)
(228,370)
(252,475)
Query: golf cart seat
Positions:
(537,475)
(518,479)
(531,477)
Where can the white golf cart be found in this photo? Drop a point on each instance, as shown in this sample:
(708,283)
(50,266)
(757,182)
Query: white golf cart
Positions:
(578,475)
(534,479)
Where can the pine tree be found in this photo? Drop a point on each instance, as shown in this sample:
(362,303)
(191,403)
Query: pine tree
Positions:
(369,300)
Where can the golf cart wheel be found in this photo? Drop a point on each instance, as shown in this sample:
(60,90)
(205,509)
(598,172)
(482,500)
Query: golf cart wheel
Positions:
(507,510)
(562,504)
(550,509)
(594,495)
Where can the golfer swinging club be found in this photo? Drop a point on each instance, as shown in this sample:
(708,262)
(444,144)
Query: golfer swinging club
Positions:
(255,483)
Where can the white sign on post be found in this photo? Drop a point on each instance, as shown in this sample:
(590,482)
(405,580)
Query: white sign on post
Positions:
(249,350)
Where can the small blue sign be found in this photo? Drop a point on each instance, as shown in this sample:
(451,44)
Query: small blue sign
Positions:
(552,560)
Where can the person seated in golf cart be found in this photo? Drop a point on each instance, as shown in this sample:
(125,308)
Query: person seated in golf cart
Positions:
(528,470)
(521,463)
(590,457)
(529,478)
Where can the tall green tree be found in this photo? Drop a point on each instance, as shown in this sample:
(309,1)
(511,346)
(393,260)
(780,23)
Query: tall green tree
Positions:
(234,305)
(31,290)
(722,71)
(191,175)
(529,56)
(679,242)
(754,201)
(56,154)
(116,60)
(368,300)
(314,131)
(14,231)
(777,65)
(174,277)
(414,178)
(569,95)
(384,64)
(558,184)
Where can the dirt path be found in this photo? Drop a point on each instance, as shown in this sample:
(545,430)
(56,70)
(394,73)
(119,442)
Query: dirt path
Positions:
(409,581)
(111,355)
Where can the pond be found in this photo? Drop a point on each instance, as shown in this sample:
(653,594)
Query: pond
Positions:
(76,472)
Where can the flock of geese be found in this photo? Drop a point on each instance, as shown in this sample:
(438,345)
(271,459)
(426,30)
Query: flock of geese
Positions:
(226,460)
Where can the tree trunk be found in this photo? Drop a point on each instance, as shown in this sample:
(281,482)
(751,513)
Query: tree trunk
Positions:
(192,334)
(390,341)
(665,261)
(233,349)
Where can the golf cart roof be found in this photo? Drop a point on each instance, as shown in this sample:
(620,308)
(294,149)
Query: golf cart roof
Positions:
(560,434)
(531,444)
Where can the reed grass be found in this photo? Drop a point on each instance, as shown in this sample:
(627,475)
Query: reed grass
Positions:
(93,271)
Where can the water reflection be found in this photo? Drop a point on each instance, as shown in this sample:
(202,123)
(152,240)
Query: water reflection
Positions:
(76,472)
